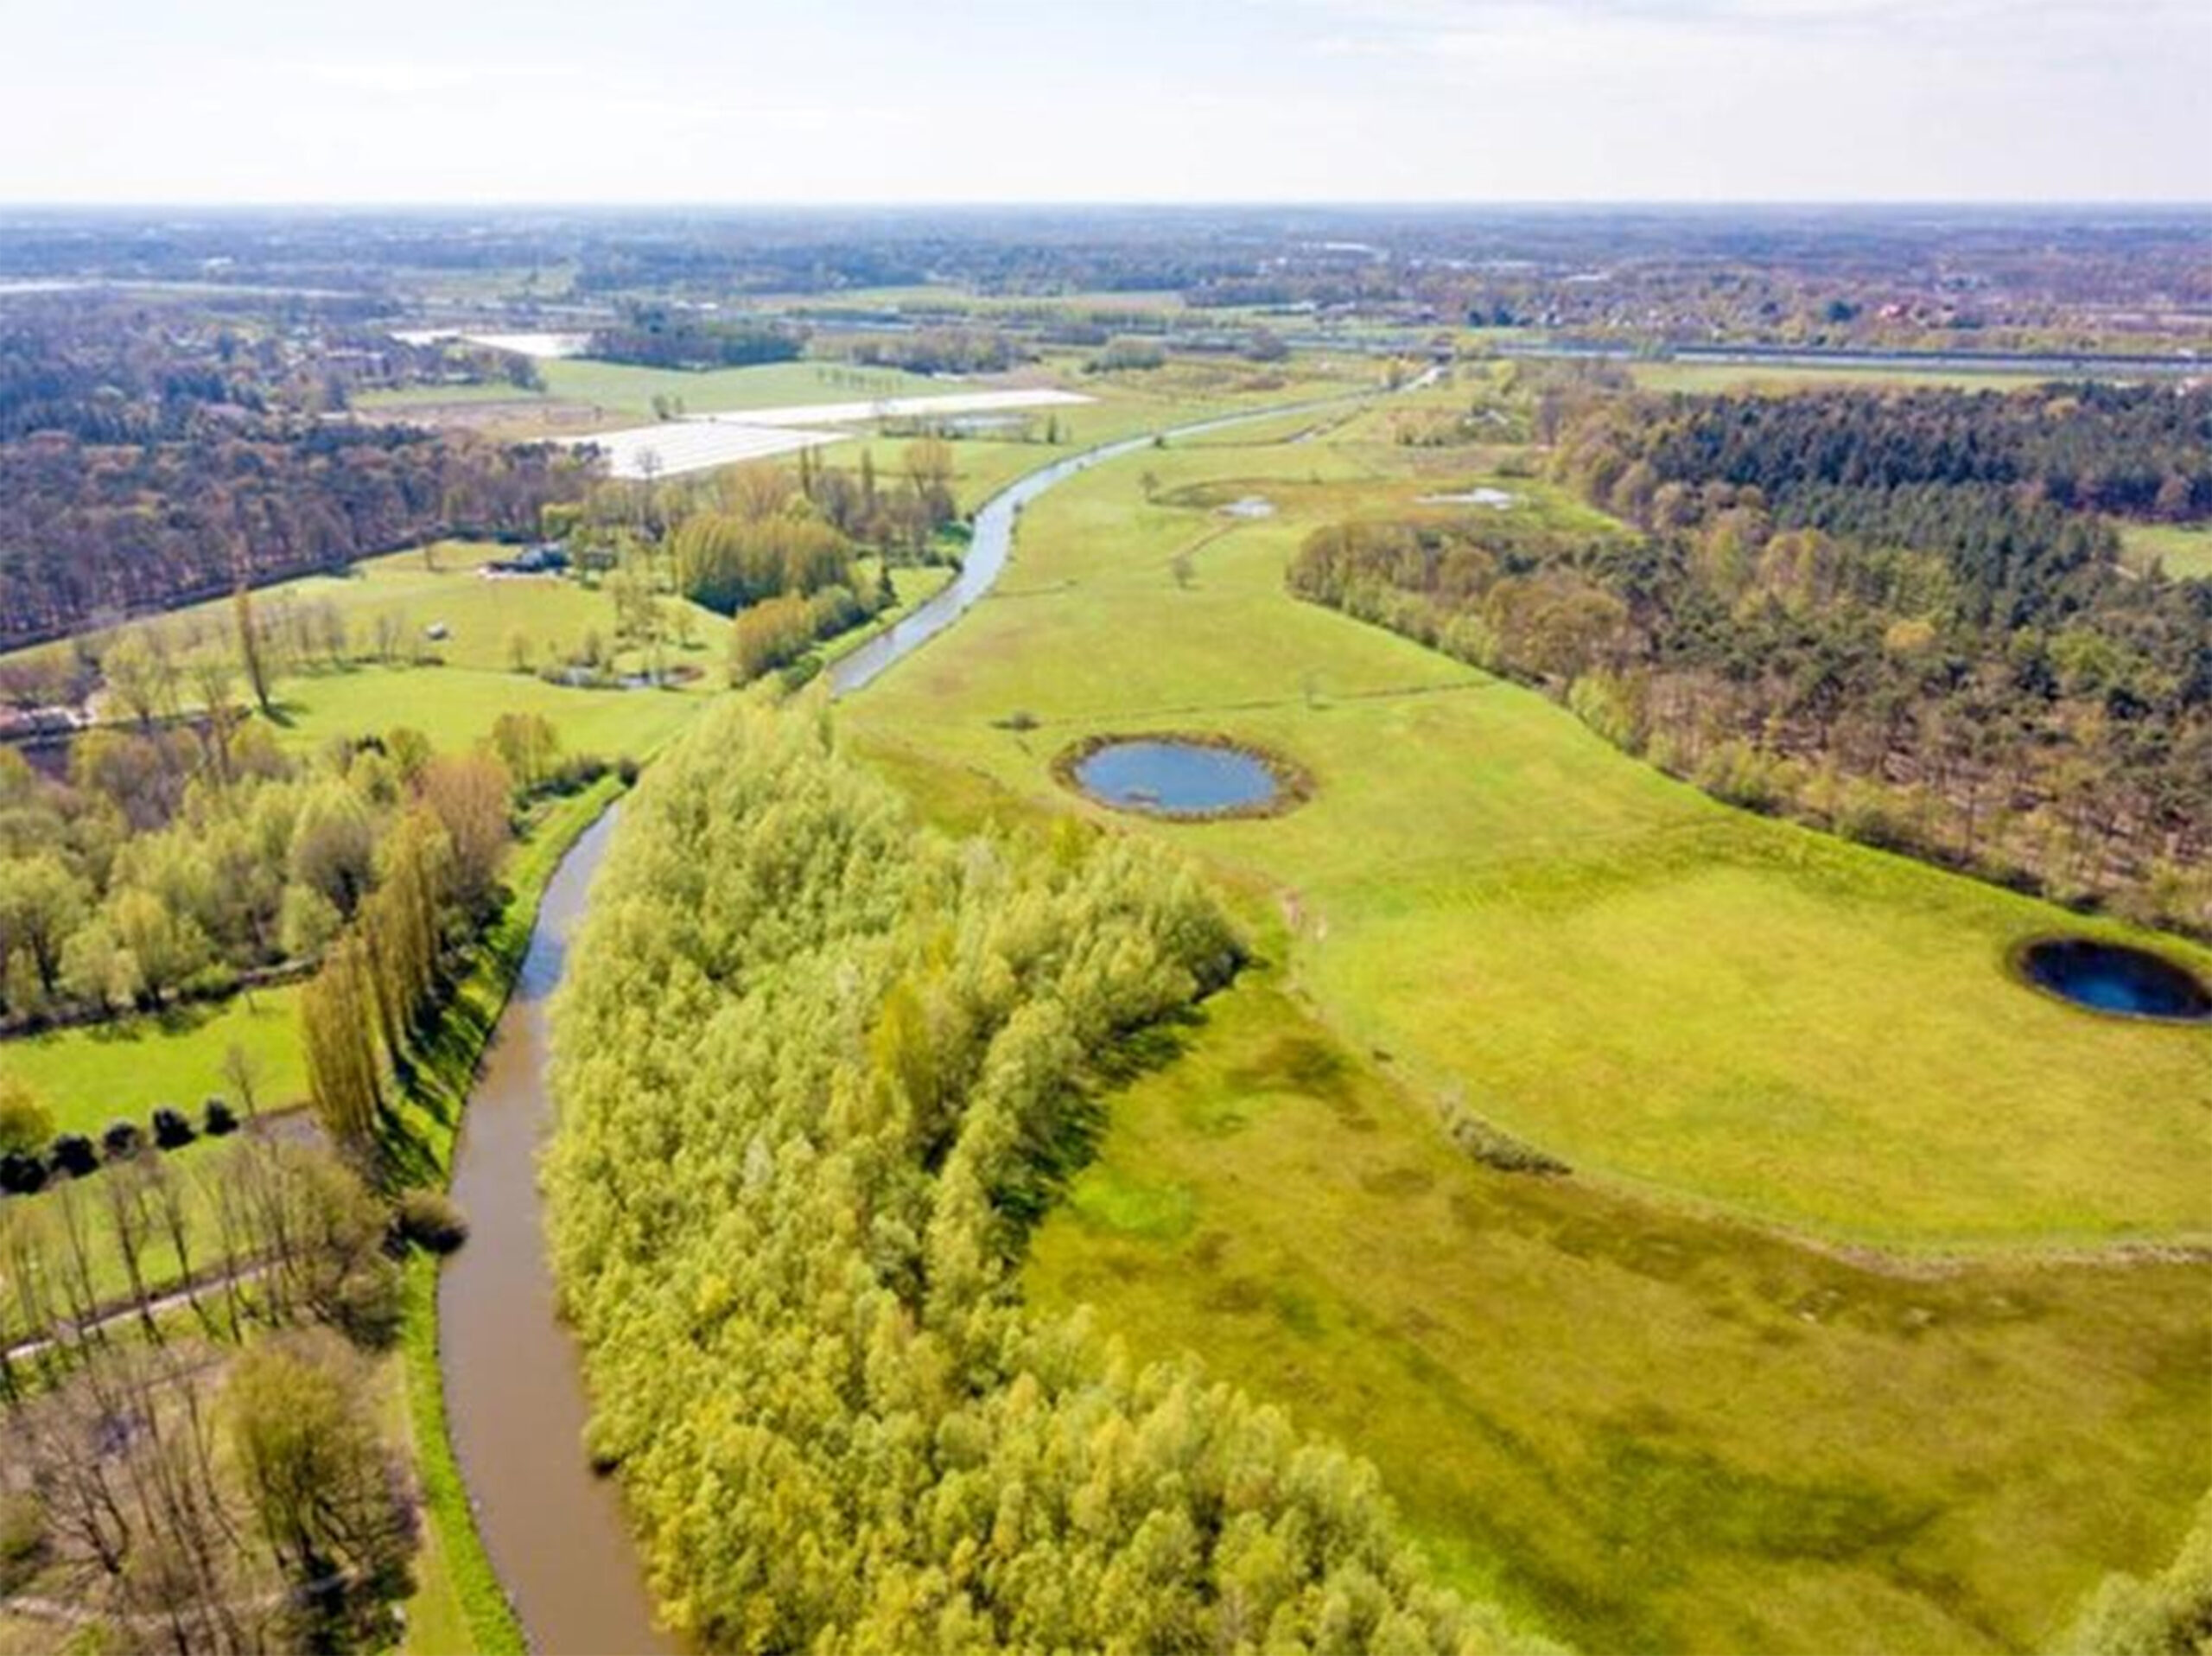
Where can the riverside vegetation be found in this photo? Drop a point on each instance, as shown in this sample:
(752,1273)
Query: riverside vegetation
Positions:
(819,1071)
(1796,1354)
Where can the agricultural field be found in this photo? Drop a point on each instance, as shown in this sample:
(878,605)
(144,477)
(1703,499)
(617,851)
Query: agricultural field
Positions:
(2185,552)
(1837,1292)
(597,394)
(1708,377)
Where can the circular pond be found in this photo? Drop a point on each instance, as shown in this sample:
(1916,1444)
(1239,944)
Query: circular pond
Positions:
(2112,977)
(1181,776)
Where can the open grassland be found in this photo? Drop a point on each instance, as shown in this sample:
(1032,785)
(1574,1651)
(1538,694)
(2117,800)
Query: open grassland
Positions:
(1653,1430)
(1675,1400)
(628,391)
(443,585)
(92,1074)
(1705,378)
(456,707)
(1124,404)
(1592,957)
(2184,551)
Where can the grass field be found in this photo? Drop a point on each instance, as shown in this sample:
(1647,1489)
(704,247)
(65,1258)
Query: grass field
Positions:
(1593,957)
(1665,1402)
(1708,377)
(456,707)
(95,1074)
(2183,550)
(1650,1431)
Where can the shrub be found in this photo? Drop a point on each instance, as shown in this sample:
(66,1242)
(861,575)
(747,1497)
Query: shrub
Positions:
(122,1141)
(72,1154)
(219,1119)
(431,1219)
(627,768)
(21,1174)
(22,1538)
(24,1121)
(171,1129)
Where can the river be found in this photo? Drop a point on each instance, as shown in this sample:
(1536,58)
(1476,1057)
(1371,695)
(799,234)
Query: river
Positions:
(515,1402)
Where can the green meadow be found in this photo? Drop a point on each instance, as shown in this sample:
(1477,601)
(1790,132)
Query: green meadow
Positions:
(91,1074)
(1779,378)
(1660,990)
(1829,1339)
(2184,550)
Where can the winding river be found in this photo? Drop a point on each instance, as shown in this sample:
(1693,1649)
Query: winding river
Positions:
(515,1402)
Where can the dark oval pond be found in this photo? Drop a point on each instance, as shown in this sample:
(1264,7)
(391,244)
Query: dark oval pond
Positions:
(1177,778)
(2112,977)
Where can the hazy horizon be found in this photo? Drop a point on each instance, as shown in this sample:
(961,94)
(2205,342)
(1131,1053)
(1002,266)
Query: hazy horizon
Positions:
(1395,103)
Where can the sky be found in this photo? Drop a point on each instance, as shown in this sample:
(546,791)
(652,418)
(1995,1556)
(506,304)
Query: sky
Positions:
(735,101)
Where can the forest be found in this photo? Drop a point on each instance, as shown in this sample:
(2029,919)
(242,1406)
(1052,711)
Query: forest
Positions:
(90,530)
(819,1070)
(666,336)
(153,455)
(1900,615)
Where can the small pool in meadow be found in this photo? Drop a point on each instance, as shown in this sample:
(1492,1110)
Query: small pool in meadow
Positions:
(1175,776)
(2115,978)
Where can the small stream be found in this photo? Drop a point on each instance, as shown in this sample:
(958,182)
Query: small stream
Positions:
(515,1402)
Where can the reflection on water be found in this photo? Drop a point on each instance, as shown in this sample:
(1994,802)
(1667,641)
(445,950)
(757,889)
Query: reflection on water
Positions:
(1175,778)
(2111,978)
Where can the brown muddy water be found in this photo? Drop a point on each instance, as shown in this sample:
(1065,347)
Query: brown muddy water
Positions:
(515,1404)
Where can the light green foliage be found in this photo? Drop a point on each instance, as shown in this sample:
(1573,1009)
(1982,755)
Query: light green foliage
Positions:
(309,1455)
(2168,1614)
(2183,550)
(818,1073)
(25,1122)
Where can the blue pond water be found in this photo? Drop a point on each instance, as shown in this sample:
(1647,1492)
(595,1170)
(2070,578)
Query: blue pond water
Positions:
(1177,778)
(2110,978)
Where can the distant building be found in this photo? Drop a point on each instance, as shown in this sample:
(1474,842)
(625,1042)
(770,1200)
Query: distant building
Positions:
(547,557)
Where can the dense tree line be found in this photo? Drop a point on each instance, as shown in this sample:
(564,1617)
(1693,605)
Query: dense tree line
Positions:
(93,528)
(151,453)
(941,350)
(778,548)
(1831,459)
(107,372)
(1827,626)
(374,1003)
(177,861)
(667,336)
(819,1071)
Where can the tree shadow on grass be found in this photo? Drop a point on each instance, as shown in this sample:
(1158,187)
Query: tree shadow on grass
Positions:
(1081,1118)
(415,1142)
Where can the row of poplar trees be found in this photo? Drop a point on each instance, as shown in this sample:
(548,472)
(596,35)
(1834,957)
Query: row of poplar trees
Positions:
(367,1009)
